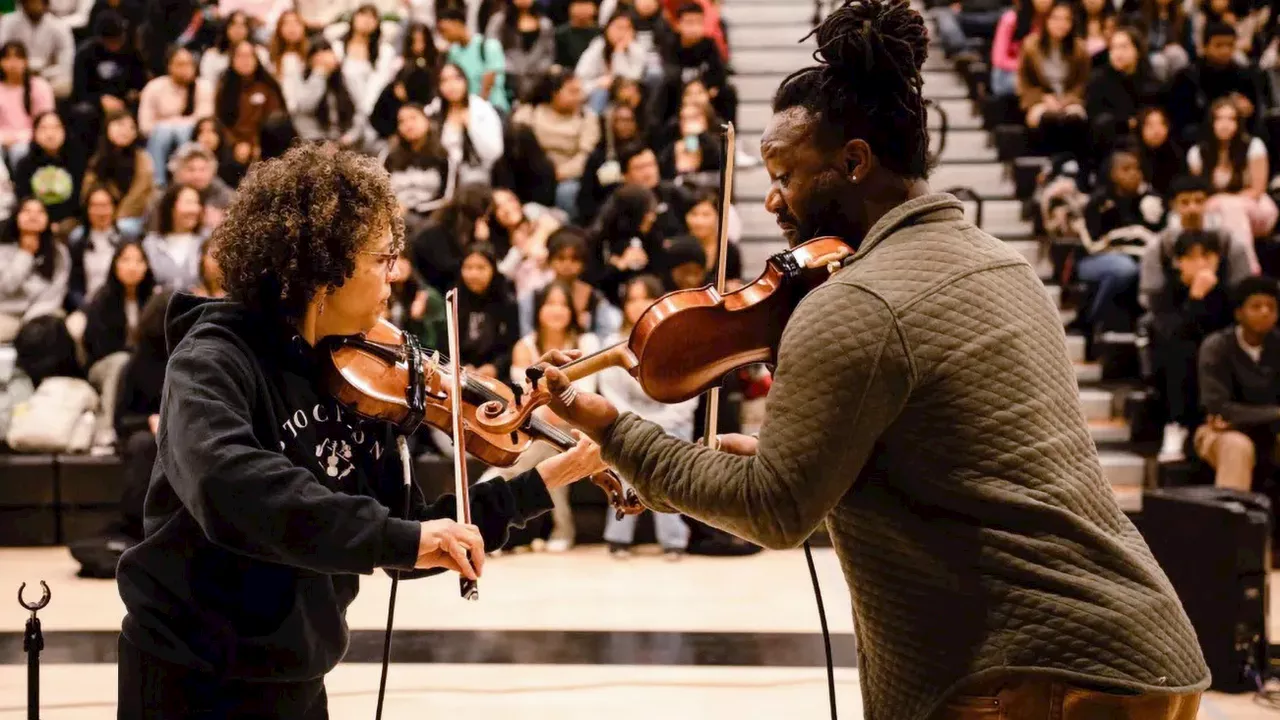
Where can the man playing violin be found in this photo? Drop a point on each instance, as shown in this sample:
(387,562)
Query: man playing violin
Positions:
(268,499)
(924,408)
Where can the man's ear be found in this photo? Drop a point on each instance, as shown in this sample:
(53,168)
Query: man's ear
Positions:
(859,161)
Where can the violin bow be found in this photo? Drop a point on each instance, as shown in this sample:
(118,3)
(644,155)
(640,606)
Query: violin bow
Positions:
(462,488)
(729,147)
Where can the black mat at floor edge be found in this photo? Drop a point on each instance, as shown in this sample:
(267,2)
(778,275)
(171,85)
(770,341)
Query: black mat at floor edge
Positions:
(531,647)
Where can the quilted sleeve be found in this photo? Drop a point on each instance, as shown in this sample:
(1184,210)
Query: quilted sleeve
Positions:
(843,375)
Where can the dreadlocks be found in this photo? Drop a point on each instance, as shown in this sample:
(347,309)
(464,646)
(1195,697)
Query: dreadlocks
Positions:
(867,82)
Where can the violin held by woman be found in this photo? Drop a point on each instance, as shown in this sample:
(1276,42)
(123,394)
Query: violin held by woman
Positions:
(384,374)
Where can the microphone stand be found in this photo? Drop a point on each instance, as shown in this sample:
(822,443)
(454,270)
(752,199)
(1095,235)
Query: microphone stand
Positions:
(32,644)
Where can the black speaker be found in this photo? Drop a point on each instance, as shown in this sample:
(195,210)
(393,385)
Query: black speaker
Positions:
(1215,546)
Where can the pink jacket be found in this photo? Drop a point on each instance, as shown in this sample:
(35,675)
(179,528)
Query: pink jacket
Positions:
(1004,49)
(15,121)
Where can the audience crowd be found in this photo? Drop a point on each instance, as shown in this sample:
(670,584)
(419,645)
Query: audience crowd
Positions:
(556,161)
(1160,122)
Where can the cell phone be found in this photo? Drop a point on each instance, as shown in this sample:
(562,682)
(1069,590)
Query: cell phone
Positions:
(690,143)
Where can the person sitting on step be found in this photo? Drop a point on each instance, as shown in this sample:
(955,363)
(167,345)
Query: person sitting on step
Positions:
(1239,372)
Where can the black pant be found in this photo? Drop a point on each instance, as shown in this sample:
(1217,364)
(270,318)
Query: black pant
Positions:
(139,456)
(152,689)
(1173,351)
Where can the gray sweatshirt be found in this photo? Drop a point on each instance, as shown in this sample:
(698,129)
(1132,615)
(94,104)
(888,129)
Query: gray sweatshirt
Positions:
(24,292)
(925,409)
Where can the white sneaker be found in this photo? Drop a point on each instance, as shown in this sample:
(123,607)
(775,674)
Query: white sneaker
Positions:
(558,545)
(743,159)
(1175,437)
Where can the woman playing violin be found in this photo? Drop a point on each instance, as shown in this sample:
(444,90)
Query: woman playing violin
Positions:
(268,499)
(925,410)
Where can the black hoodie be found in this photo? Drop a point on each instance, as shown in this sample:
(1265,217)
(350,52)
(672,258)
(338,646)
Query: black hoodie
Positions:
(266,502)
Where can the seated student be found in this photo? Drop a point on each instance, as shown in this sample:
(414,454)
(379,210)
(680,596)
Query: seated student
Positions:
(1118,89)
(169,108)
(49,42)
(1237,167)
(480,59)
(469,127)
(34,269)
(1239,369)
(1189,196)
(523,229)
(1192,304)
(1160,154)
(368,61)
(567,258)
(697,56)
(173,250)
(324,107)
(603,171)
(51,172)
(419,167)
(555,328)
(111,322)
(416,307)
(640,167)
(196,167)
(677,419)
(92,245)
(137,410)
(23,96)
(525,167)
(624,239)
(615,54)
(1052,75)
(247,96)
(703,219)
(486,315)
(566,130)
(528,41)
(573,37)
(109,76)
(1167,36)
(695,156)
(1212,76)
(1122,218)
(124,167)
(443,242)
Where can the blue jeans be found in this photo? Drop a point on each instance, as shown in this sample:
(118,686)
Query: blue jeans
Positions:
(1004,83)
(165,138)
(672,532)
(567,196)
(955,30)
(131,228)
(598,100)
(1111,273)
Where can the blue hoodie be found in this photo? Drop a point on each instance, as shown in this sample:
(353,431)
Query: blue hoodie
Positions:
(266,501)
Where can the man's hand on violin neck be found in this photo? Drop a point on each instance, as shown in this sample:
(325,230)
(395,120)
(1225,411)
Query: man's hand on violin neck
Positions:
(578,462)
(737,444)
(445,543)
(589,412)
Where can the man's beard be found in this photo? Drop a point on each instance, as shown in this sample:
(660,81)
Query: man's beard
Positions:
(831,208)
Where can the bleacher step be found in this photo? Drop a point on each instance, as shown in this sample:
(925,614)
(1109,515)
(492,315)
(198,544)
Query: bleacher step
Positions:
(756,92)
(1111,431)
(1097,404)
(1123,469)
(767,14)
(772,61)
(1088,372)
(1002,218)
(780,36)
(989,180)
(1075,347)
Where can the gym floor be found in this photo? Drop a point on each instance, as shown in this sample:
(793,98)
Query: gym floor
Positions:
(576,635)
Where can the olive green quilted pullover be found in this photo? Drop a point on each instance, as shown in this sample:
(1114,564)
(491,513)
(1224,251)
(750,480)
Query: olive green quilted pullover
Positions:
(925,408)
